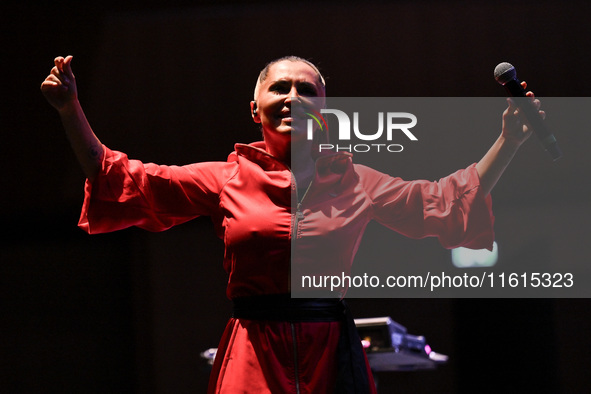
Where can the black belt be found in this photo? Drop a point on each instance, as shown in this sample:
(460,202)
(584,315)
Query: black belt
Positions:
(281,307)
(352,370)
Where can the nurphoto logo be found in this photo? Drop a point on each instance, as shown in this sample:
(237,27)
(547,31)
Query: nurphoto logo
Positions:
(389,124)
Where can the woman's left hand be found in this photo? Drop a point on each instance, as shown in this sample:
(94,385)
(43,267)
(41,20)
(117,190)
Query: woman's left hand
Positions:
(516,128)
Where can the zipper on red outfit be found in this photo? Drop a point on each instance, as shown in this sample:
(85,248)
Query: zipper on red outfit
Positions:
(295,358)
(298,216)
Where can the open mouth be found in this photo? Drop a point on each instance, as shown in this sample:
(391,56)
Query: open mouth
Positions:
(298,114)
(285,116)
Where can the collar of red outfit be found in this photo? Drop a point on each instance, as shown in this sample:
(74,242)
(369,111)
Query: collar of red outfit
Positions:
(326,161)
(334,170)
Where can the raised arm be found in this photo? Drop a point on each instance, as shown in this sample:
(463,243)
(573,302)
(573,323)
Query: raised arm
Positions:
(515,131)
(59,88)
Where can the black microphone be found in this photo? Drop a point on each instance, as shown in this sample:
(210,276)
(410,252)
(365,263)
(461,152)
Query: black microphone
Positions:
(506,75)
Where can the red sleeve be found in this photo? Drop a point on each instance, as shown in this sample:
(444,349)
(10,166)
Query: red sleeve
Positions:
(453,209)
(153,197)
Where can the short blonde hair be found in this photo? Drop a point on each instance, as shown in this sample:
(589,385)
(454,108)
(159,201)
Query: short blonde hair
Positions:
(265,71)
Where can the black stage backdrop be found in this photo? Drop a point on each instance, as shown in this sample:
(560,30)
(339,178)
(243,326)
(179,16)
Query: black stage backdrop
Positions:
(131,311)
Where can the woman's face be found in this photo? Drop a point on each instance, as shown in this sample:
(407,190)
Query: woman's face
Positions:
(286,81)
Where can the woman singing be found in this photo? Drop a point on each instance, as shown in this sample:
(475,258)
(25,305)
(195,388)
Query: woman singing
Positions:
(275,343)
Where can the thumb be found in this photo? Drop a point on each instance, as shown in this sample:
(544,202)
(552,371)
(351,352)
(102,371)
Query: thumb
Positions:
(68,66)
(512,104)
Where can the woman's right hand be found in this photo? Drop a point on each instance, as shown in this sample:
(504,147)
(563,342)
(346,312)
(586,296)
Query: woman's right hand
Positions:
(59,88)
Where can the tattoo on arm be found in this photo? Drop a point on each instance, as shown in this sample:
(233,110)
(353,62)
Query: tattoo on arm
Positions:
(94,152)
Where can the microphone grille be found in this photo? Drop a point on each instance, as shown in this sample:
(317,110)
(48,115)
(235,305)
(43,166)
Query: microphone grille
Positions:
(504,72)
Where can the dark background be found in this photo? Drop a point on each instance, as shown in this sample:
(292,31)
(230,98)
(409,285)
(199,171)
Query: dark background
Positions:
(130,311)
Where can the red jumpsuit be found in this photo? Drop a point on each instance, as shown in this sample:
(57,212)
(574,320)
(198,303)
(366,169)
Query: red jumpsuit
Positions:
(249,199)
